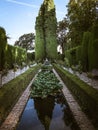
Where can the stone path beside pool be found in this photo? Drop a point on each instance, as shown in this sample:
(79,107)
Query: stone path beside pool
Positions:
(80,117)
(11,74)
(83,76)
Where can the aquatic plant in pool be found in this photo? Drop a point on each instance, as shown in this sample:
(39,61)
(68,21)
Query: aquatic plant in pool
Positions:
(45,84)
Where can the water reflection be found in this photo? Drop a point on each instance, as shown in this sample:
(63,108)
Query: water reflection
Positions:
(49,113)
(44,108)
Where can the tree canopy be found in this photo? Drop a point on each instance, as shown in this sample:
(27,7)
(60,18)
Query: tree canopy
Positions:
(26,41)
(81,17)
(62,33)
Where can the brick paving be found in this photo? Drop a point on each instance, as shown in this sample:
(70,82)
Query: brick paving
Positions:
(80,117)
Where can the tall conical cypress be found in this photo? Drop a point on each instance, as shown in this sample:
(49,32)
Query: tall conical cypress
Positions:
(45,41)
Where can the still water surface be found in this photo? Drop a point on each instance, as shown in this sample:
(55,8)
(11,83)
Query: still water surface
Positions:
(51,113)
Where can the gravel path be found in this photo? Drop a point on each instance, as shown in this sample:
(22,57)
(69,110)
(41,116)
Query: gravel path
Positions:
(11,74)
(83,76)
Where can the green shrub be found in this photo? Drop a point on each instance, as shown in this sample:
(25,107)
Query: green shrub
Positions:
(3,42)
(67,64)
(93,57)
(15,55)
(84,50)
(73,55)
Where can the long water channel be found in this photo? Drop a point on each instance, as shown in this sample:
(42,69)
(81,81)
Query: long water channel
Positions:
(50,112)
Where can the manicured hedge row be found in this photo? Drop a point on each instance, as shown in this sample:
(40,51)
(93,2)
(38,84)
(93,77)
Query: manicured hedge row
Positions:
(86,95)
(11,55)
(87,53)
(14,55)
(11,91)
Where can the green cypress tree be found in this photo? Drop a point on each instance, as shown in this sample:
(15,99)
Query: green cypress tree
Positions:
(45,41)
(3,42)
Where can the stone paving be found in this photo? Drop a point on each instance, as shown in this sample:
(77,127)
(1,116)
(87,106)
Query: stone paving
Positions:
(81,119)
(13,117)
(83,76)
(11,74)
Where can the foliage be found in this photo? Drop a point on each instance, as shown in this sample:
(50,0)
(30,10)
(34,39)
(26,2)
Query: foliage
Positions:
(15,55)
(39,40)
(93,55)
(3,42)
(81,16)
(84,50)
(10,92)
(26,41)
(67,64)
(45,41)
(30,56)
(62,33)
(71,56)
(45,84)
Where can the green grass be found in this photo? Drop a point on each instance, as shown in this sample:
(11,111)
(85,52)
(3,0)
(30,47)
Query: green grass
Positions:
(10,92)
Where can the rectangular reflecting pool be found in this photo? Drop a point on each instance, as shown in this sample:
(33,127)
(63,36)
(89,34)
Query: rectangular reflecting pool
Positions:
(51,113)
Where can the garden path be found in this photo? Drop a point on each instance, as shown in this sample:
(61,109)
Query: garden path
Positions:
(11,74)
(83,76)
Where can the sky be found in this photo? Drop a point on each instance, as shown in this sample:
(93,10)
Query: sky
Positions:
(18,17)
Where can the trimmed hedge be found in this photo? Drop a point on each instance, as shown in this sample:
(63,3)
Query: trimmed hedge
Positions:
(86,95)
(84,50)
(46,24)
(73,55)
(93,54)
(10,92)
(3,42)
